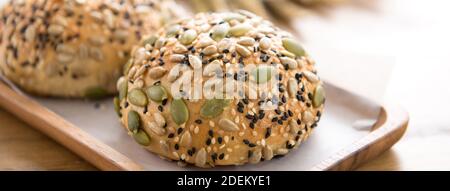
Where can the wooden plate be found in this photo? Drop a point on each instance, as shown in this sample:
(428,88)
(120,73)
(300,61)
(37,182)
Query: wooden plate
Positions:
(342,109)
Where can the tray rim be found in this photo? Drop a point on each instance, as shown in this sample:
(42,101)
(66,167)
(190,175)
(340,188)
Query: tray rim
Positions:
(390,126)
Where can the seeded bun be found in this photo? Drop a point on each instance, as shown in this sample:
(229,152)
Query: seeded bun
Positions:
(216,132)
(72,48)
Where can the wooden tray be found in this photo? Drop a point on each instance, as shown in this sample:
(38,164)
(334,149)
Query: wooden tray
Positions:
(352,131)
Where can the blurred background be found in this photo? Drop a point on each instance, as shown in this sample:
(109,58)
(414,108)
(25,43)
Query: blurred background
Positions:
(388,50)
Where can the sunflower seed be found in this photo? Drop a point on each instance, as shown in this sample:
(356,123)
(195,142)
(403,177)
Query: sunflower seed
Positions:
(234,16)
(246,41)
(311,77)
(209,50)
(293,46)
(200,158)
(213,107)
(157,72)
(30,33)
(188,37)
(179,111)
(156,93)
(319,96)
(177,58)
(55,29)
(137,97)
(204,42)
(243,51)
(281,151)
(264,43)
(267,153)
(220,31)
(239,30)
(97,16)
(141,137)
(256,157)
(212,68)
(155,128)
(292,64)
(292,87)
(228,125)
(64,58)
(195,62)
(186,139)
(294,128)
(307,117)
(224,44)
(180,49)
(134,121)
(159,119)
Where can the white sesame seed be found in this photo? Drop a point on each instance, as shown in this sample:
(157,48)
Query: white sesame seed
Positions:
(196,130)
(226,139)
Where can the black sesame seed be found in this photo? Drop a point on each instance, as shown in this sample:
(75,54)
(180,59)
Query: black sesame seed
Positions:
(193,149)
(308,104)
(214,156)
(249,154)
(164,102)
(268,132)
(198,121)
(219,140)
(126,104)
(160,108)
(180,130)
(251,145)
(210,133)
(190,152)
(240,110)
(280,122)
(277,111)
(245,100)
(289,146)
(171,135)
(248,116)
(246,141)
(145,110)
(297,137)
(299,122)
(177,146)
(252,125)
(208,141)
(274,119)
(221,156)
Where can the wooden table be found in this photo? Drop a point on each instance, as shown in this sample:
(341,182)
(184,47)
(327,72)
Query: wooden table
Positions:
(413,32)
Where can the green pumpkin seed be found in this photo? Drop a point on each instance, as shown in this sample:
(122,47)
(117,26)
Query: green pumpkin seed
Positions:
(141,137)
(293,46)
(127,66)
(240,30)
(123,89)
(134,121)
(150,40)
(117,106)
(95,93)
(262,74)
(137,97)
(156,93)
(220,31)
(319,96)
(188,37)
(173,30)
(179,111)
(213,107)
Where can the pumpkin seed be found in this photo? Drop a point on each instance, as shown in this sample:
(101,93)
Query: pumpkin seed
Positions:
(311,76)
(173,30)
(127,66)
(149,40)
(264,43)
(141,137)
(239,30)
(292,87)
(293,46)
(137,97)
(220,31)
(186,139)
(180,49)
(156,93)
(177,58)
(213,107)
(95,93)
(195,62)
(319,96)
(179,111)
(200,158)
(267,153)
(123,88)
(157,72)
(117,106)
(243,51)
(188,37)
(262,74)
(204,42)
(228,125)
(134,121)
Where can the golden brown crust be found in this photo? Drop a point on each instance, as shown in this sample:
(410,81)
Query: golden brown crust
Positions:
(243,132)
(72,48)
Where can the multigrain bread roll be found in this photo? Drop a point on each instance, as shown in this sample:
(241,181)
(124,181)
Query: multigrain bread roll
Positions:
(229,128)
(73,48)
